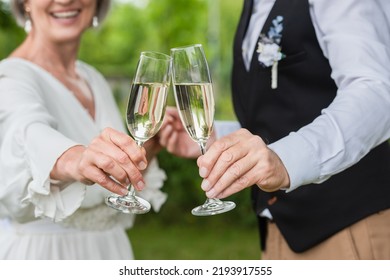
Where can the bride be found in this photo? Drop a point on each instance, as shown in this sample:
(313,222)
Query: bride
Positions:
(63,146)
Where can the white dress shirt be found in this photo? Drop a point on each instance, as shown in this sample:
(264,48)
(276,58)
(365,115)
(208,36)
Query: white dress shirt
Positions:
(355,36)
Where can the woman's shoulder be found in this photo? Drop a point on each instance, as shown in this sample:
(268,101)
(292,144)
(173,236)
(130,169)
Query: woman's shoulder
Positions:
(11,62)
(19,68)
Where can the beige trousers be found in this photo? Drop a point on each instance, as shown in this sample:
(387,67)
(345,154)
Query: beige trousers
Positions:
(368,239)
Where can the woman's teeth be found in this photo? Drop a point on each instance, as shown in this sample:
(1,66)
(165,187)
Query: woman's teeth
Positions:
(65,14)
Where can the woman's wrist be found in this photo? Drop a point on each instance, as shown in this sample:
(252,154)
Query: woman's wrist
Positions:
(63,171)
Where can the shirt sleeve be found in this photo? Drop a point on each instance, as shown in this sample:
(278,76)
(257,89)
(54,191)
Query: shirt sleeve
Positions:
(354,36)
(29,148)
(223,128)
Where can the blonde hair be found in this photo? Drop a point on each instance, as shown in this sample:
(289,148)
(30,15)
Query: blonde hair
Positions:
(18,10)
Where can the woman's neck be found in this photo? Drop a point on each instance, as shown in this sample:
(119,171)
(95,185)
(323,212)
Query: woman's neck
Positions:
(56,58)
(60,61)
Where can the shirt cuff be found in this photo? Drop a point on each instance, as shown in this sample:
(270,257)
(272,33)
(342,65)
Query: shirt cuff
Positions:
(223,128)
(299,159)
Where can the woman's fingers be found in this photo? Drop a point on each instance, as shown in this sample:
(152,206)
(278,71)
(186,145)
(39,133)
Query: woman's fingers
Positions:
(113,160)
(93,174)
(135,154)
(118,161)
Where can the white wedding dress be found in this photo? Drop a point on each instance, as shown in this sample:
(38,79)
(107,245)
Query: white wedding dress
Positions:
(39,120)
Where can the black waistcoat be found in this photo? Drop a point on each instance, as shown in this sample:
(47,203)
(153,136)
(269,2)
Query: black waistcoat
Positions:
(314,212)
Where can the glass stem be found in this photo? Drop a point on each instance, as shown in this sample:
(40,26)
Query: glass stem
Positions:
(130,187)
(202,146)
(139,143)
(210,202)
(131,190)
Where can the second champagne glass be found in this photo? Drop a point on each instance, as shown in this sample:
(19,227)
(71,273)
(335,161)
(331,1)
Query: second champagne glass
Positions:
(144,116)
(193,91)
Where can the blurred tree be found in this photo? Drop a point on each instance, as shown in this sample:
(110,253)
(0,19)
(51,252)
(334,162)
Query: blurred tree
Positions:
(10,34)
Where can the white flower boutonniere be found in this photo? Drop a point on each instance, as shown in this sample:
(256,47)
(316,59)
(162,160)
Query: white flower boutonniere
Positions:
(269,49)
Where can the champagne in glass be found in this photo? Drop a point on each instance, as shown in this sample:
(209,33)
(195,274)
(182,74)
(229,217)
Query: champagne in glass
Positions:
(144,116)
(195,102)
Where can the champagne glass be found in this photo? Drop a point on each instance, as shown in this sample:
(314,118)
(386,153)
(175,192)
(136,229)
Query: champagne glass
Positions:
(144,116)
(193,91)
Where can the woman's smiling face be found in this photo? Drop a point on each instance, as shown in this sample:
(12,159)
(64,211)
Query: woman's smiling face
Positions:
(60,21)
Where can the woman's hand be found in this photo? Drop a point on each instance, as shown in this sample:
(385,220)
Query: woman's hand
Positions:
(240,160)
(112,160)
(175,138)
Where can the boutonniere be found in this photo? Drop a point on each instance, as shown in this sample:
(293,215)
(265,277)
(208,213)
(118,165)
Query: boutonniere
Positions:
(269,49)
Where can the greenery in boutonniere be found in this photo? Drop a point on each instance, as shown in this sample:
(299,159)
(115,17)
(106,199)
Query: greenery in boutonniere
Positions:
(269,48)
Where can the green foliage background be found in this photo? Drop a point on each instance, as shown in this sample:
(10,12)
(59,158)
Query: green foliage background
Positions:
(113,48)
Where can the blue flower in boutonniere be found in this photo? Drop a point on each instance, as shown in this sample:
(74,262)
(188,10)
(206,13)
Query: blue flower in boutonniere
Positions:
(269,49)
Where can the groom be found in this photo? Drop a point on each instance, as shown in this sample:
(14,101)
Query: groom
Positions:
(311,88)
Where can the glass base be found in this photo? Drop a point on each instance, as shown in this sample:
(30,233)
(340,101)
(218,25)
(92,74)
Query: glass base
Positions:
(213,207)
(128,204)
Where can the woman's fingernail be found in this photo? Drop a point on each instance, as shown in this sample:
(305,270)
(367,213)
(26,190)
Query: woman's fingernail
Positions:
(140,185)
(124,191)
(205,185)
(142,165)
(210,193)
(203,172)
